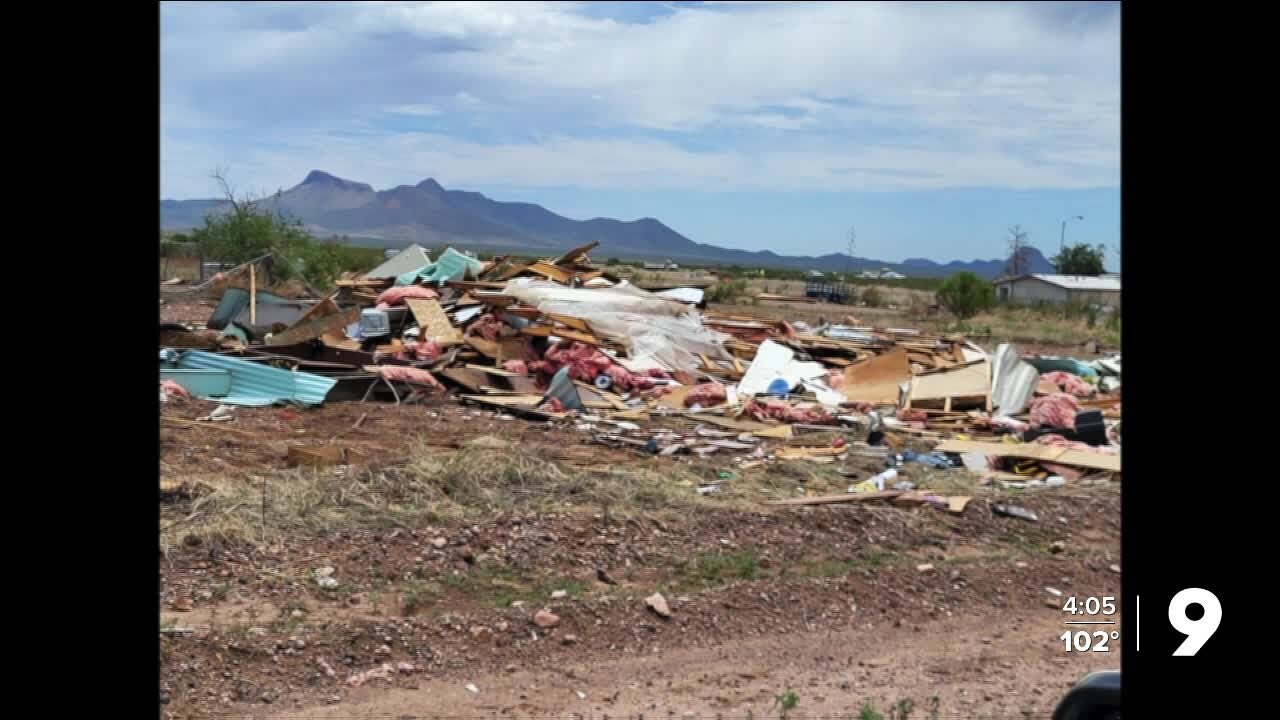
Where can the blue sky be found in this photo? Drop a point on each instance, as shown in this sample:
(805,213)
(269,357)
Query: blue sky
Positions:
(929,127)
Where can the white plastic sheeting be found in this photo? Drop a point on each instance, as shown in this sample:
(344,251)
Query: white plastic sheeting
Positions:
(657,332)
(773,361)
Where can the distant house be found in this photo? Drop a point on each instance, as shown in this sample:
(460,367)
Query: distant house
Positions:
(668,265)
(881,274)
(814,274)
(1043,287)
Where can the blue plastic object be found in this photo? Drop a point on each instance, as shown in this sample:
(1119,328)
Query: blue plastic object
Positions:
(779,387)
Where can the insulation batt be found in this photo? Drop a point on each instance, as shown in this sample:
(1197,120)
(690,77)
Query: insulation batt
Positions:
(913,415)
(519,367)
(486,326)
(397,295)
(411,375)
(1069,383)
(1057,410)
(1059,441)
(778,410)
(552,405)
(425,351)
(173,389)
(706,395)
(586,362)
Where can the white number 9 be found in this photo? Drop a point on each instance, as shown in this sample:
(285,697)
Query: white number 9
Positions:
(1197,631)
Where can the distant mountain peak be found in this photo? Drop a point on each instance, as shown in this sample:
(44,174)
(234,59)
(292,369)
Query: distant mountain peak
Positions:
(430,185)
(320,177)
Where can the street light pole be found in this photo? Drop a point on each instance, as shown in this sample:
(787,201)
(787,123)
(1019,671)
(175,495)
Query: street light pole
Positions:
(1062,239)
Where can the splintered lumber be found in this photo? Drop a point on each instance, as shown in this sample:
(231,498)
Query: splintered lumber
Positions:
(321,319)
(434,323)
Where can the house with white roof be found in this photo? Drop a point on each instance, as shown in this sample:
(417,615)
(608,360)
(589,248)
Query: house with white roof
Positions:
(1044,287)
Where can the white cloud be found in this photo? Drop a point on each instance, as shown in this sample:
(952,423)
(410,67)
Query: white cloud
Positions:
(774,95)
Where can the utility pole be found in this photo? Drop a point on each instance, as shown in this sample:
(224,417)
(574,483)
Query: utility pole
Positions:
(1062,239)
(1017,242)
(849,257)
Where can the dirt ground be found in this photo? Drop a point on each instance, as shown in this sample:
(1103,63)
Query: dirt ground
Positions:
(395,588)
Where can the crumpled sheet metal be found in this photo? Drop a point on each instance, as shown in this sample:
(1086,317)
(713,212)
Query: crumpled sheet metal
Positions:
(255,384)
(1013,381)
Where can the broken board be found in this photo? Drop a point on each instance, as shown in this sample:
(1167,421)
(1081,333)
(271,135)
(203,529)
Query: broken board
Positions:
(877,380)
(434,323)
(1047,453)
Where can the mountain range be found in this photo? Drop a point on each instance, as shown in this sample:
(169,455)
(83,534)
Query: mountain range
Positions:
(430,215)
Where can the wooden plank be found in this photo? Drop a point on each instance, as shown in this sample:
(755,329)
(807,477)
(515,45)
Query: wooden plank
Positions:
(1047,453)
(488,348)
(570,321)
(550,271)
(469,379)
(841,498)
(492,370)
(798,453)
(434,323)
(335,322)
(545,331)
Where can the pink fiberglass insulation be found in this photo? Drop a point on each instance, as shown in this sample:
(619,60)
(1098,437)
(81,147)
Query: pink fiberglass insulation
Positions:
(1057,410)
(520,367)
(779,410)
(585,362)
(1069,383)
(397,295)
(913,415)
(411,375)
(552,405)
(173,389)
(486,326)
(707,395)
(835,379)
(1059,441)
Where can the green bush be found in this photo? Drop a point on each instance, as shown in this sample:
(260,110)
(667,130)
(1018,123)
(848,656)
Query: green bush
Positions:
(965,295)
(873,297)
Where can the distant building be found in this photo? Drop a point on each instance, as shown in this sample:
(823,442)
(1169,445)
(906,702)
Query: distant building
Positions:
(814,274)
(881,274)
(1043,287)
(668,265)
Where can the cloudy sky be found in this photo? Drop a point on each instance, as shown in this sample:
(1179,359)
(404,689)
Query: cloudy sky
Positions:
(928,127)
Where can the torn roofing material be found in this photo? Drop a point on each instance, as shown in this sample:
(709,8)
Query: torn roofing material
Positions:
(257,384)
(407,260)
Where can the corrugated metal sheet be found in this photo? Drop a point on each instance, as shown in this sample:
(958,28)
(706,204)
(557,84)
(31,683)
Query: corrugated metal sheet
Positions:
(407,260)
(1013,381)
(1082,282)
(257,384)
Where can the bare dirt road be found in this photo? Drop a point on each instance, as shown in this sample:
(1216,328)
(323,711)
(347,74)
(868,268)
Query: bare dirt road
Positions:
(994,666)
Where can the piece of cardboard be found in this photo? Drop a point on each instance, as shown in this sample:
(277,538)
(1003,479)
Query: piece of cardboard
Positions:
(877,380)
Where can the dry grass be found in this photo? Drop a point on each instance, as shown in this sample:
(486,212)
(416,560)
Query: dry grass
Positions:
(432,485)
(1035,325)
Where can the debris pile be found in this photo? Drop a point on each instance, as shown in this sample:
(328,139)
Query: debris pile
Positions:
(563,341)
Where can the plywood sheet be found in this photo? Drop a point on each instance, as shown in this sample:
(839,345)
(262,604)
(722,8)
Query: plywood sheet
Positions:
(1047,453)
(877,380)
(967,381)
(434,323)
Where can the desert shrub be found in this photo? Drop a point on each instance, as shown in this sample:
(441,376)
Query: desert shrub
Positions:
(965,294)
